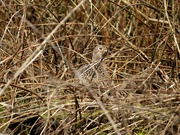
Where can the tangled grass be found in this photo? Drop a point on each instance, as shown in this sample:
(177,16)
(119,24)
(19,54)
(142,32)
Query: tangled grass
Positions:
(39,93)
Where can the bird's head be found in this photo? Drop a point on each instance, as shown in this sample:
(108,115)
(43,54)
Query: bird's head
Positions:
(98,53)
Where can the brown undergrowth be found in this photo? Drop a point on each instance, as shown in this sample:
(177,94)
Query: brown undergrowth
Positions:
(39,93)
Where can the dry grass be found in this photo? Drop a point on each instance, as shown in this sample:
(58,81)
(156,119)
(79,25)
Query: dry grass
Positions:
(39,94)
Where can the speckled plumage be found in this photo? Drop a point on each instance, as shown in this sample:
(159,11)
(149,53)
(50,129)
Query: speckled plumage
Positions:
(96,71)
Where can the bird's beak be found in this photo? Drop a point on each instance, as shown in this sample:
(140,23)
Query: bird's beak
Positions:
(108,50)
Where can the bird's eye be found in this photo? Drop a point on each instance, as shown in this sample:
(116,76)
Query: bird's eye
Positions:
(100,48)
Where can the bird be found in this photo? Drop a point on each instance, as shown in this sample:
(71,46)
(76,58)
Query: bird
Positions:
(95,72)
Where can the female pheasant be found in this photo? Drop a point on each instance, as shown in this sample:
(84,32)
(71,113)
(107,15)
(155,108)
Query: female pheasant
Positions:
(96,71)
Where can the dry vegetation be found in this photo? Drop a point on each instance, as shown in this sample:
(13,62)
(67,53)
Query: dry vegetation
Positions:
(39,93)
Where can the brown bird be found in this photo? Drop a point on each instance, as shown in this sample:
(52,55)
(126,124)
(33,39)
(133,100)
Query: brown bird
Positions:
(94,72)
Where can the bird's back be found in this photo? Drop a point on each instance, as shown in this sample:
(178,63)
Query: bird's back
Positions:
(93,73)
